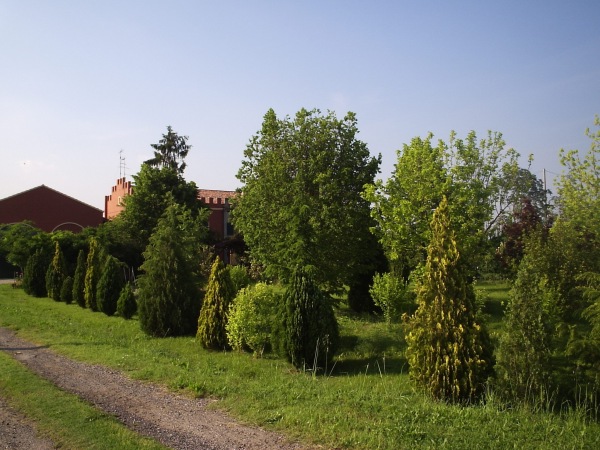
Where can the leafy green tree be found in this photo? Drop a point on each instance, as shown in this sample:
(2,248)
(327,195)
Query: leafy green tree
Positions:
(301,198)
(392,296)
(78,294)
(159,181)
(126,305)
(18,241)
(311,332)
(481,180)
(448,349)
(167,295)
(66,291)
(93,270)
(212,332)
(403,205)
(56,273)
(579,188)
(110,284)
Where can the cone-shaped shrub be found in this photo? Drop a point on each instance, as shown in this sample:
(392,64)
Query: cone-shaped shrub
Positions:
(34,276)
(110,284)
(448,351)
(126,304)
(79,280)
(66,291)
(523,367)
(212,322)
(168,299)
(92,274)
(56,273)
(310,328)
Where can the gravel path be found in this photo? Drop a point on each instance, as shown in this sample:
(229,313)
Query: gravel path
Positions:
(19,433)
(176,421)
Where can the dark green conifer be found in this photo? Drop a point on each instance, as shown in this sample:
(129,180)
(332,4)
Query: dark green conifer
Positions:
(34,276)
(448,350)
(56,273)
(126,305)
(212,322)
(168,299)
(110,284)
(310,328)
(92,274)
(79,280)
(523,368)
(66,291)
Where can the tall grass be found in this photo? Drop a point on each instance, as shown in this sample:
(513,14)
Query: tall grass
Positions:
(366,401)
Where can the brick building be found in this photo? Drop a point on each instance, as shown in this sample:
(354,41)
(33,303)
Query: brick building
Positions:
(113,203)
(218,203)
(49,210)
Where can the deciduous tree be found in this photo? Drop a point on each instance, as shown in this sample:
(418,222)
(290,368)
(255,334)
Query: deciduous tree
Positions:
(480,179)
(301,198)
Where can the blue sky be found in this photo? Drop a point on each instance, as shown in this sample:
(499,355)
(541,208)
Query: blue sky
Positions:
(82,80)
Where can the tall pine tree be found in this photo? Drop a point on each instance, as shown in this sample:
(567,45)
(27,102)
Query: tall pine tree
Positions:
(448,350)
(168,298)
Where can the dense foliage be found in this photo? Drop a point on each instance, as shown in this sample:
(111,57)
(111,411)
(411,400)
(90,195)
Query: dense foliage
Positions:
(168,296)
(79,279)
(301,198)
(523,360)
(253,318)
(34,276)
(66,291)
(110,284)
(212,333)
(56,273)
(311,334)
(126,304)
(481,180)
(93,270)
(158,183)
(448,348)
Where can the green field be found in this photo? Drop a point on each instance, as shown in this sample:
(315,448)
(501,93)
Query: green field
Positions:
(366,399)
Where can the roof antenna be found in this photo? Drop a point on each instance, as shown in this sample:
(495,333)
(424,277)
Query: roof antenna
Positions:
(122,166)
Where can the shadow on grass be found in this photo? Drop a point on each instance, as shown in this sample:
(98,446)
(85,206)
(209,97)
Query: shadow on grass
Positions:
(494,308)
(23,349)
(369,366)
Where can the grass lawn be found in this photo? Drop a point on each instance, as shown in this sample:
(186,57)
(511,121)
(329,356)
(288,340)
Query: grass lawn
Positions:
(366,400)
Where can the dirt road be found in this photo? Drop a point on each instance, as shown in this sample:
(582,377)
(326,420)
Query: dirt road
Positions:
(176,421)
